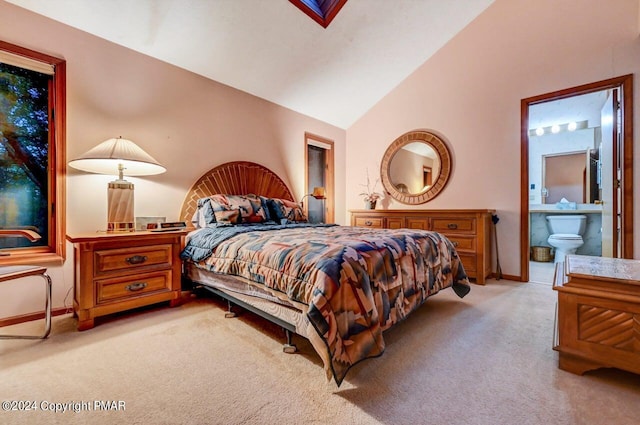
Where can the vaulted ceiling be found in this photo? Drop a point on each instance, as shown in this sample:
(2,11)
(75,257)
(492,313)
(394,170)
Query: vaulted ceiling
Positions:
(269,48)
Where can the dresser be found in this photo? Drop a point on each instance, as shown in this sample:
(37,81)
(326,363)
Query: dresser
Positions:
(598,317)
(120,271)
(468,230)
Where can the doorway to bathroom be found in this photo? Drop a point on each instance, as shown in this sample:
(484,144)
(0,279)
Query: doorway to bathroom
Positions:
(587,129)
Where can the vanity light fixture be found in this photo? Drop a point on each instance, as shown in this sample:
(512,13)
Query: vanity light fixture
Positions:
(557,128)
(126,158)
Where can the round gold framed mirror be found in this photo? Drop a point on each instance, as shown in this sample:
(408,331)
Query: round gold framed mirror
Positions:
(415,167)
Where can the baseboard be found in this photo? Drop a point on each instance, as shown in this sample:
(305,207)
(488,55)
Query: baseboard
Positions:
(507,277)
(14,320)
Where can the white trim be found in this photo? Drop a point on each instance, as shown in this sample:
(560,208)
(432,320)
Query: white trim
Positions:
(26,63)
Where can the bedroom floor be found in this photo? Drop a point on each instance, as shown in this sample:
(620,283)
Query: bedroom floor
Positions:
(541,272)
(485,359)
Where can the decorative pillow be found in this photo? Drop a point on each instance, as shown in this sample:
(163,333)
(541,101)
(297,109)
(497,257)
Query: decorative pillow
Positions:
(265,208)
(204,214)
(251,207)
(281,209)
(227,217)
(197,220)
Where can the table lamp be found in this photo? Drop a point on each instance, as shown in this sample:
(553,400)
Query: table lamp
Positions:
(128,159)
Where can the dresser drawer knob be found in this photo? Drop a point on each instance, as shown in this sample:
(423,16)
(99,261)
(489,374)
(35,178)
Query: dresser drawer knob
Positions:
(136,259)
(138,286)
(452,226)
(455,244)
(368,223)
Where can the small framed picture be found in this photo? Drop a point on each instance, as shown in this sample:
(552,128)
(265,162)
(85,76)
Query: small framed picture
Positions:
(147,223)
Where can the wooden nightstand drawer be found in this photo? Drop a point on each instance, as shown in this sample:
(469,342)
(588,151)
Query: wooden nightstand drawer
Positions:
(369,222)
(444,225)
(121,271)
(110,290)
(112,260)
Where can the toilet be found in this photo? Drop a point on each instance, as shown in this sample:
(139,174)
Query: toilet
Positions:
(566,234)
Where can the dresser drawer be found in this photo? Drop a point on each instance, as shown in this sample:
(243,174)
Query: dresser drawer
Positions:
(418,223)
(463,225)
(369,222)
(134,258)
(394,223)
(468,229)
(109,290)
(469,264)
(462,243)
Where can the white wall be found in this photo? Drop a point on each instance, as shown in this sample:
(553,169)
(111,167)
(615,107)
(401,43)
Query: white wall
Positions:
(470,92)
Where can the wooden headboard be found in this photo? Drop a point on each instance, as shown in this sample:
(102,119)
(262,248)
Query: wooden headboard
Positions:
(235,178)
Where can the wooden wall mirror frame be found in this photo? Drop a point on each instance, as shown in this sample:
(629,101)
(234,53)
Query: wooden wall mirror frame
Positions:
(439,181)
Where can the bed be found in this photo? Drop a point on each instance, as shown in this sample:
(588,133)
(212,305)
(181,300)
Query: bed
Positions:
(338,286)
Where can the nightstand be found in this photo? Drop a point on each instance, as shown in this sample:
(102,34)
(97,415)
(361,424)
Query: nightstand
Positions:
(120,271)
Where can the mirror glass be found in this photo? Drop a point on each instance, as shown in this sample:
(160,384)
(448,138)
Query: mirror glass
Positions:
(415,167)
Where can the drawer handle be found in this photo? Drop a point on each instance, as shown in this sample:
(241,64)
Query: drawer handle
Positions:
(134,287)
(455,243)
(368,223)
(452,226)
(136,259)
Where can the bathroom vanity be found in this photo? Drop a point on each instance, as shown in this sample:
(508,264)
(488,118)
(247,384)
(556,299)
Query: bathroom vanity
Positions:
(598,317)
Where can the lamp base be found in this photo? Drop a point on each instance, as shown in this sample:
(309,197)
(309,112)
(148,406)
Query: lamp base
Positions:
(121,227)
(120,207)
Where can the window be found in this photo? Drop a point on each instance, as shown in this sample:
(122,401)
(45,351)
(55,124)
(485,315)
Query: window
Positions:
(32,154)
(321,11)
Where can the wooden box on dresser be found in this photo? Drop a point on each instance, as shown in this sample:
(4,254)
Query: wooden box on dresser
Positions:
(120,271)
(469,230)
(598,319)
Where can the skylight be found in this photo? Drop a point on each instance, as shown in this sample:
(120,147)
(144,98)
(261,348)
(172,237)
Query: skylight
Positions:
(321,11)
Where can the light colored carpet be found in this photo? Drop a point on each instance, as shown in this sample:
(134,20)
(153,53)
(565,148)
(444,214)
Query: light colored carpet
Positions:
(485,359)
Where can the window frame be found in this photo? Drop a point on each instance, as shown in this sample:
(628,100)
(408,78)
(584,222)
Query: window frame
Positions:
(55,250)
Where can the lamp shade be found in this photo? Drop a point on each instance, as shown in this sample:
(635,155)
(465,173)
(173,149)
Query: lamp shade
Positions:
(319,193)
(110,154)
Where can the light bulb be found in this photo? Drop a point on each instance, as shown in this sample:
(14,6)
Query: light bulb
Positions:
(555,128)
(539,131)
(572,126)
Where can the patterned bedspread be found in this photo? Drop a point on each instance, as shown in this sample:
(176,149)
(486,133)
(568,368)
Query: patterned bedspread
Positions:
(353,282)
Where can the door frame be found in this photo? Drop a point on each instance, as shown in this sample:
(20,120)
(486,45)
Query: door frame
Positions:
(625,84)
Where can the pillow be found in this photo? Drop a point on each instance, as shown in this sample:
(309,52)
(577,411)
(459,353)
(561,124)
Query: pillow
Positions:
(251,207)
(265,208)
(197,220)
(204,214)
(286,211)
(227,217)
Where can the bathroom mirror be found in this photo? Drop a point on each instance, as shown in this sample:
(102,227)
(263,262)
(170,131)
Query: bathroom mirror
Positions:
(415,167)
